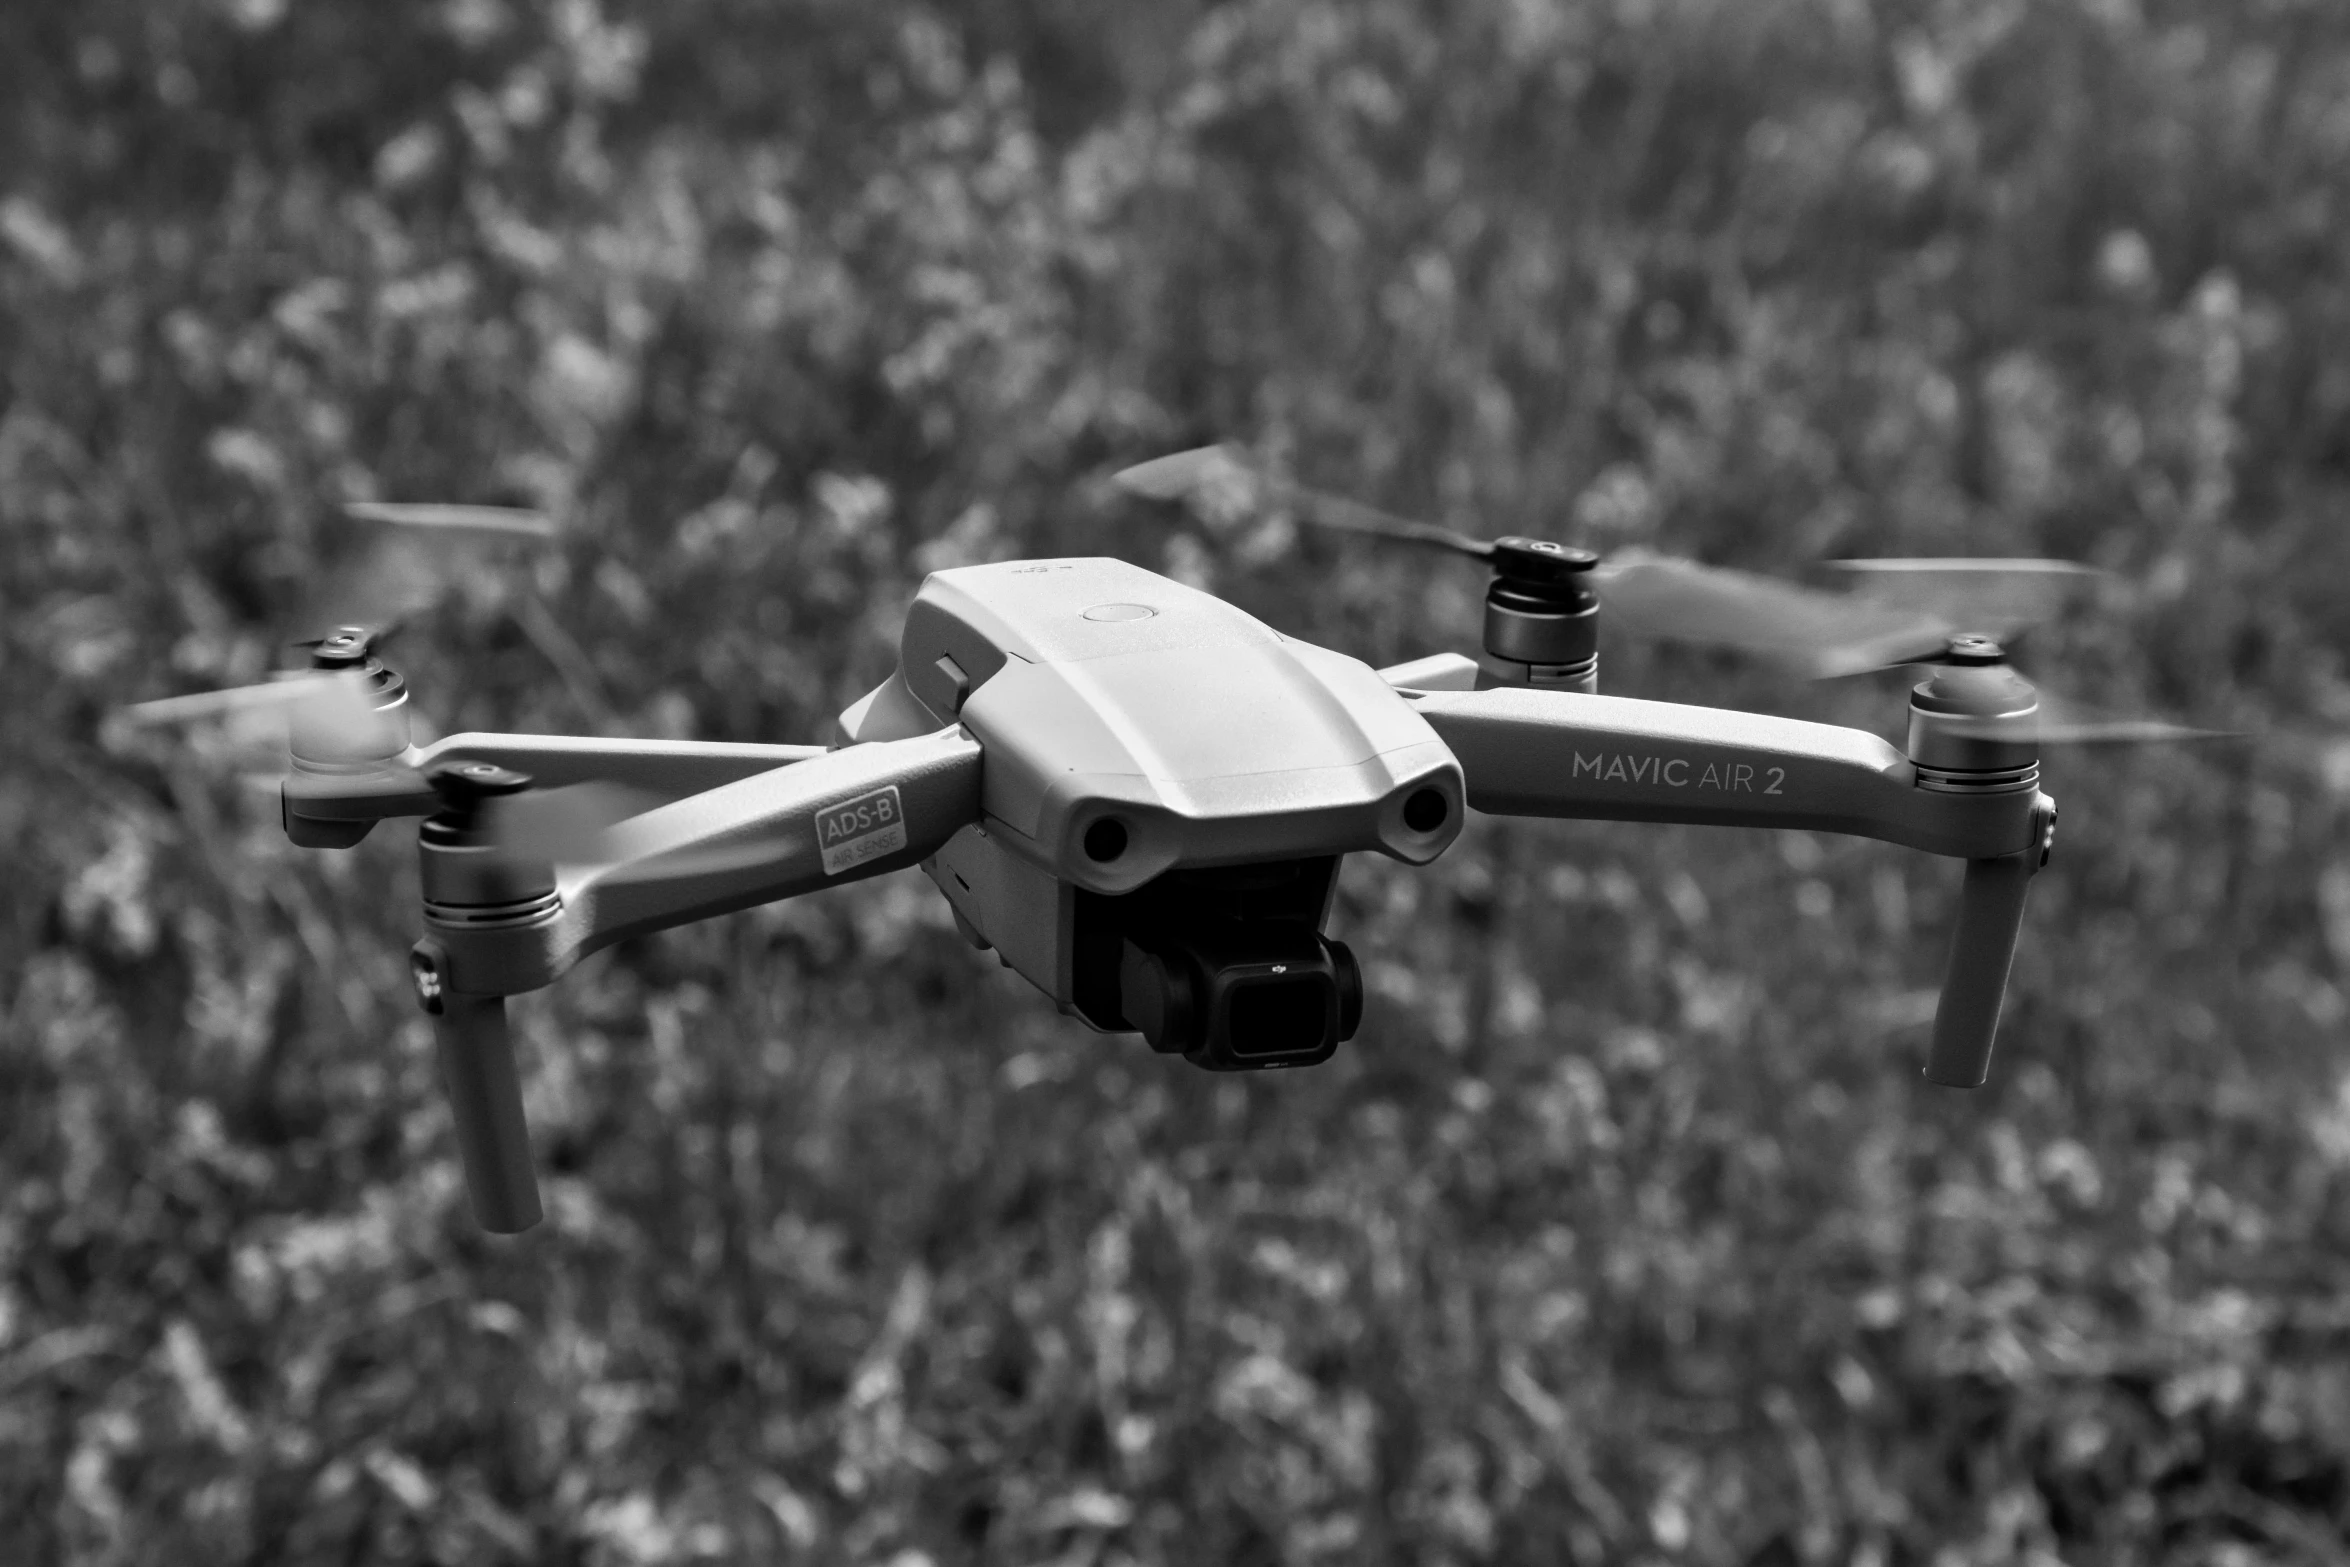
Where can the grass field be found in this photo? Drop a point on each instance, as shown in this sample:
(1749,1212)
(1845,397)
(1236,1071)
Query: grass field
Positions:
(1625,1232)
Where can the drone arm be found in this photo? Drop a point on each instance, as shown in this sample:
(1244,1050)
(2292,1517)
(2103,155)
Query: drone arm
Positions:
(1436,672)
(1564,754)
(1536,753)
(318,802)
(786,829)
(485,1100)
(838,817)
(1990,917)
(673,768)
(333,809)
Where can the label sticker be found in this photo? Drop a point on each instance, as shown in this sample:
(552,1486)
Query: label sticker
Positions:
(862,829)
(1676,772)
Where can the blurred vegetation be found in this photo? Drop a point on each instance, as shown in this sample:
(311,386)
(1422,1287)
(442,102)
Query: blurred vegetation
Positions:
(1626,1231)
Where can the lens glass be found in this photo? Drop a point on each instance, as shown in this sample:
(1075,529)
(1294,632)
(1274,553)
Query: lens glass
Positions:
(1280,1017)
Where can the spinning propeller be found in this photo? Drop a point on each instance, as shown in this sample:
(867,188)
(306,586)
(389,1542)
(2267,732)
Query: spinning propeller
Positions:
(341,730)
(417,555)
(1540,623)
(348,704)
(478,522)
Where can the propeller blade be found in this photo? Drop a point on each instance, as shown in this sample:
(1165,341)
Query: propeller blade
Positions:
(2127,731)
(590,823)
(710,860)
(1177,475)
(1345,516)
(493,522)
(1998,597)
(418,554)
(568,825)
(330,690)
(2066,722)
(330,712)
(2030,568)
(1819,633)
(1205,470)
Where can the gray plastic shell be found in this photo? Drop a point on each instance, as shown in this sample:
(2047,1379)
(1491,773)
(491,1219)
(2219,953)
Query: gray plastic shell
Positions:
(1100,690)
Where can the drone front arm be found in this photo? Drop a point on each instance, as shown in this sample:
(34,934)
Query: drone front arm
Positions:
(1564,754)
(332,807)
(837,817)
(497,924)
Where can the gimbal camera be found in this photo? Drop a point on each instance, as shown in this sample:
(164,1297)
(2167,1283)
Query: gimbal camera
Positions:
(1140,796)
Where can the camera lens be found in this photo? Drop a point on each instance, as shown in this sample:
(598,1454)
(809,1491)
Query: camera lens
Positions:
(1426,810)
(1280,1017)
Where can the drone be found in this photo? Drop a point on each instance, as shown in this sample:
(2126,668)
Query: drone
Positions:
(1140,796)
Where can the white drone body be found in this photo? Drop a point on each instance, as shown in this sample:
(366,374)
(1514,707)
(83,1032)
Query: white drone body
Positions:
(1140,797)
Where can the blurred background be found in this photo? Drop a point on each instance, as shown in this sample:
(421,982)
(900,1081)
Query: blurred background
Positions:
(1625,1231)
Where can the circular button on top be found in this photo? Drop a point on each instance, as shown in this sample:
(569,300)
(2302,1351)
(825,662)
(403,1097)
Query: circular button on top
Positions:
(1540,560)
(464,785)
(1975,650)
(1120,612)
(346,649)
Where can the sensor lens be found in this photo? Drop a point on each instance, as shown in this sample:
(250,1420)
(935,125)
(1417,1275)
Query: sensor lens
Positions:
(1105,840)
(1426,810)
(1280,1017)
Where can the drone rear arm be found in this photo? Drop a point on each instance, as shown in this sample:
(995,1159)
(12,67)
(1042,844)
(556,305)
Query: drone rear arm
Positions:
(1550,753)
